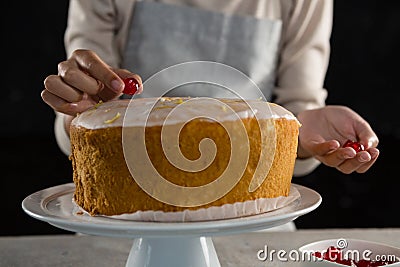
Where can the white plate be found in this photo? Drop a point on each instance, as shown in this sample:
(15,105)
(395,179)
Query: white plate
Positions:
(54,205)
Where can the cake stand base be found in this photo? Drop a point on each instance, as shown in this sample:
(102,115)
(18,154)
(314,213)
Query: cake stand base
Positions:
(178,252)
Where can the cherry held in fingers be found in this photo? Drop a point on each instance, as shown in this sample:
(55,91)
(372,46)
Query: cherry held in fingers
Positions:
(131,86)
(355,145)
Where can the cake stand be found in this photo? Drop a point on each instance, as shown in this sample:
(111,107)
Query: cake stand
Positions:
(156,243)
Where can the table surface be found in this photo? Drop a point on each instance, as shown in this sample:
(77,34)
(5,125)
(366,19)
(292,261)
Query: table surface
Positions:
(233,250)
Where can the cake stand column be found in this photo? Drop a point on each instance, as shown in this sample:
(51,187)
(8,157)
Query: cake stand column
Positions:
(173,251)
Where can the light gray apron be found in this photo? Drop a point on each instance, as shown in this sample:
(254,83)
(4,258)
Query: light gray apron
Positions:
(162,35)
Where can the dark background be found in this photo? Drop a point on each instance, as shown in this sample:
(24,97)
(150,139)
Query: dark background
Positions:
(363,74)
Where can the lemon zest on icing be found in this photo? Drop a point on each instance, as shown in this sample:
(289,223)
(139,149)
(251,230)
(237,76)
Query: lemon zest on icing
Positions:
(98,104)
(113,119)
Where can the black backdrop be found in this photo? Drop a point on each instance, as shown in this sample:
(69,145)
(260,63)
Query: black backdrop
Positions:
(363,74)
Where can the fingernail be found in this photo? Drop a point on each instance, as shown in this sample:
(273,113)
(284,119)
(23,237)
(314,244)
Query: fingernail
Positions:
(348,156)
(370,143)
(117,85)
(374,154)
(364,157)
(334,146)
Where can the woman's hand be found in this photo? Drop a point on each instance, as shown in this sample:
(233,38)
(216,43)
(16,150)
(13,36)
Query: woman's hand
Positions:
(82,81)
(325,130)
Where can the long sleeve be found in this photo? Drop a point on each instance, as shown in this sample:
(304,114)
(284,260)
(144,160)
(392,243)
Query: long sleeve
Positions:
(100,26)
(304,55)
(62,137)
(303,62)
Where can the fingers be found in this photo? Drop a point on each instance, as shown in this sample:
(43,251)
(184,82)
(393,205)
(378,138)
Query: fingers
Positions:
(366,135)
(316,147)
(98,69)
(82,81)
(325,147)
(361,163)
(56,86)
(353,164)
(337,157)
(64,98)
(374,152)
(70,73)
(348,161)
(61,105)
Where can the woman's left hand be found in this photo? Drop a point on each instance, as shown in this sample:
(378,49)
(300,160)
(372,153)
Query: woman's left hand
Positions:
(325,130)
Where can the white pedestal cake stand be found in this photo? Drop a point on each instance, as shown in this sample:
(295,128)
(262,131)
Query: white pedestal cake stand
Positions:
(155,243)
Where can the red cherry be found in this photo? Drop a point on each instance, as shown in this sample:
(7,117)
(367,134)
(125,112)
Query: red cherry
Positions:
(363,263)
(333,254)
(317,254)
(131,86)
(355,145)
(380,263)
(346,262)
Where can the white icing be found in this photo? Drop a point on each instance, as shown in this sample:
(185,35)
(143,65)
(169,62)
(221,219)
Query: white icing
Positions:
(136,112)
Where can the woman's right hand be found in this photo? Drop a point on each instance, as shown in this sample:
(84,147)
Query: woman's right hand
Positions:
(82,81)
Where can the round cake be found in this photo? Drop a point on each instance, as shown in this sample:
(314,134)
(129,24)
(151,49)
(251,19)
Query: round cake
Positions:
(241,152)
